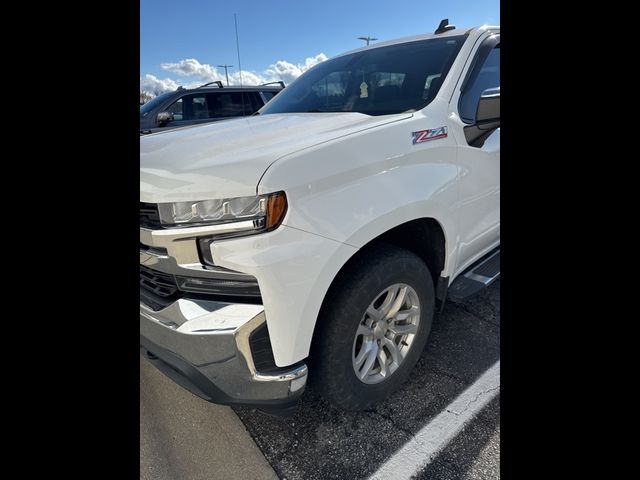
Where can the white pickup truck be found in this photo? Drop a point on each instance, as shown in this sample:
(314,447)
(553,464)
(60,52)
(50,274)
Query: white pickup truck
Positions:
(318,237)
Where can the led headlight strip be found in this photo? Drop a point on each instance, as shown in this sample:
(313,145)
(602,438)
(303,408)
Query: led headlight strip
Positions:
(260,213)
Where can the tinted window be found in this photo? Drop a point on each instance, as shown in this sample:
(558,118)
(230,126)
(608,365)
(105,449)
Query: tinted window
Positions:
(431,86)
(232,104)
(190,107)
(152,104)
(270,94)
(376,81)
(488,76)
(177,110)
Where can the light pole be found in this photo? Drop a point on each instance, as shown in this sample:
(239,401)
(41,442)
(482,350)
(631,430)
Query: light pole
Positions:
(225,71)
(367,39)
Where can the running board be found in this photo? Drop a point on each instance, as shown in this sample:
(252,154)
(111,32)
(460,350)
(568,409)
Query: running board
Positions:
(476,279)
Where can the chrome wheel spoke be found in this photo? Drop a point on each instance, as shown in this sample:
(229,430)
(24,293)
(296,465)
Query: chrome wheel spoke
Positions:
(371,358)
(398,302)
(382,360)
(393,351)
(410,328)
(362,355)
(388,302)
(406,314)
(364,331)
(374,313)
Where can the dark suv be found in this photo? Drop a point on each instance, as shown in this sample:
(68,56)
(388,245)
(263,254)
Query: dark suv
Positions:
(203,105)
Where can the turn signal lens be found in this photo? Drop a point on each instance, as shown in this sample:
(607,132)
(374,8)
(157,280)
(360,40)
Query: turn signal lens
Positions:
(276,210)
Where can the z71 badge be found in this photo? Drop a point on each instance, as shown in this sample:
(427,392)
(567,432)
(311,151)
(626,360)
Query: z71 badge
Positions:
(431,134)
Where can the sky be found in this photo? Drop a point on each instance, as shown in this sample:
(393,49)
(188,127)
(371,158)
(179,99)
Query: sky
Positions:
(182,42)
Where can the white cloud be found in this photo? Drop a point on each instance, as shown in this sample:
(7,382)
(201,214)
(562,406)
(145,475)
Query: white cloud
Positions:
(155,86)
(190,67)
(283,70)
(248,78)
(200,73)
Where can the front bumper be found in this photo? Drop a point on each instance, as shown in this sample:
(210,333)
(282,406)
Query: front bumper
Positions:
(205,346)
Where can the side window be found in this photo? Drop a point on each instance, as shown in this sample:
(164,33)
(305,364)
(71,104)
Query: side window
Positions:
(230,104)
(177,110)
(270,94)
(190,107)
(196,107)
(483,77)
(256,102)
(252,102)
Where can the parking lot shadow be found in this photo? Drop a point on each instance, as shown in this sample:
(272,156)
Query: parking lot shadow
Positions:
(322,442)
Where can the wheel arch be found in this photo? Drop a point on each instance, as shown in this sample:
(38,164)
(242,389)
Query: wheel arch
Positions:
(424,236)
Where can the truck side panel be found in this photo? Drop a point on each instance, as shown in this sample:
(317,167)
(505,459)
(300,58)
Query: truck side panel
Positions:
(348,193)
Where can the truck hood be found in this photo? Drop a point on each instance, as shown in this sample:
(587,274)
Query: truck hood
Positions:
(227,159)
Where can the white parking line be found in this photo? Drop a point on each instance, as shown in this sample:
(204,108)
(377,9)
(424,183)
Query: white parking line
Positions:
(416,454)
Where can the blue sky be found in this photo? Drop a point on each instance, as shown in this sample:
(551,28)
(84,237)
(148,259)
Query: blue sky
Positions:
(293,32)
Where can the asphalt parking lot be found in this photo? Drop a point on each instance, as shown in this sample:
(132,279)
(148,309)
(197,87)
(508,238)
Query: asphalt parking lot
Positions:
(323,443)
(185,438)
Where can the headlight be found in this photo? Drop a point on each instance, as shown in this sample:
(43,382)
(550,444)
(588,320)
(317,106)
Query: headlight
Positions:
(262,212)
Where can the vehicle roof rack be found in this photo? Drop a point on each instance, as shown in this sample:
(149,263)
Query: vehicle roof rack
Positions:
(444,27)
(273,83)
(217,82)
(180,88)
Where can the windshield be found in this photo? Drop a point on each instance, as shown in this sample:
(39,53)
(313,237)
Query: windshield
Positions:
(151,104)
(378,81)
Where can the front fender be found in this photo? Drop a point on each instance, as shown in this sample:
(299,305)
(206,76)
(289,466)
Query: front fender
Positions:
(357,187)
(348,191)
(294,271)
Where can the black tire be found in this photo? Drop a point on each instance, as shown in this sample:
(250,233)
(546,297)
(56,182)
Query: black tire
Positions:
(372,271)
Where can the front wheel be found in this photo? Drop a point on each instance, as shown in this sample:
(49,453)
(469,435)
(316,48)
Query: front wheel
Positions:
(373,327)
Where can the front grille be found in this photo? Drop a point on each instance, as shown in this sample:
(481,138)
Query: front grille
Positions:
(149,215)
(158,290)
(162,284)
(153,301)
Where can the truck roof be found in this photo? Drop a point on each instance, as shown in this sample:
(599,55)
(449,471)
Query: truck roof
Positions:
(425,36)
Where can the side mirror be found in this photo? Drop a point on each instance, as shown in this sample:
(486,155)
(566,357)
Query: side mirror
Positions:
(163,118)
(487,118)
(488,112)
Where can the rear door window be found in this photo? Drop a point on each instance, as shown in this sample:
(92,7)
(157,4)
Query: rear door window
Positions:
(233,104)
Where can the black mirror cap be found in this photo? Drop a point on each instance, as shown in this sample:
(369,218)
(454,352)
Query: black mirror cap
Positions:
(487,118)
(163,118)
(488,112)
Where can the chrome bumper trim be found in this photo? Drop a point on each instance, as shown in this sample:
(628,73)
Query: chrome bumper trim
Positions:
(168,264)
(214,338)
(181,242)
